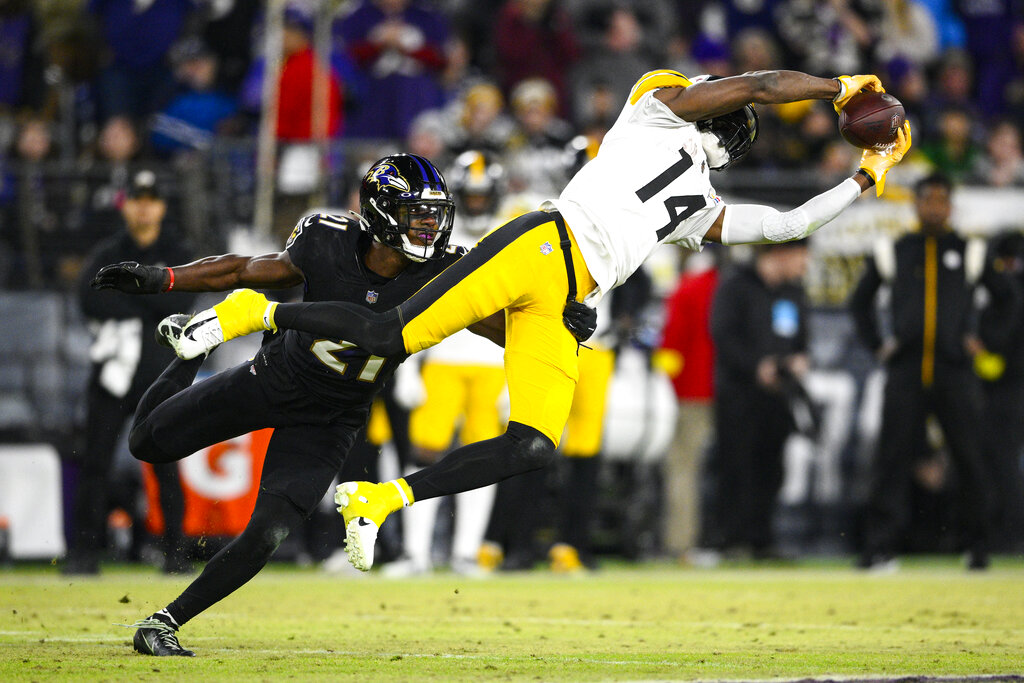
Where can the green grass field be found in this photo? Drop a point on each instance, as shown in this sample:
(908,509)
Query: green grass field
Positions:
(649,622)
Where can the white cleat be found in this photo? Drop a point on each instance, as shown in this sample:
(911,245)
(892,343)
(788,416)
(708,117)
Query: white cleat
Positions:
(191,337)
(355,505)
(360,539)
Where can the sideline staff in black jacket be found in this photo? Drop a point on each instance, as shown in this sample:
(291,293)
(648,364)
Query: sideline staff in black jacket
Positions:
(125,361)
(759,326)
(932,275)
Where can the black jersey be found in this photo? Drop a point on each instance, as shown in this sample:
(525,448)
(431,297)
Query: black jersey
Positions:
(329,251)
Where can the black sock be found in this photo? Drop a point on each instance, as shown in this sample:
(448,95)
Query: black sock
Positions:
(272,520)
(520,449)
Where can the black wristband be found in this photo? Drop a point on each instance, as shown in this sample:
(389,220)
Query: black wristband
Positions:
(871,181)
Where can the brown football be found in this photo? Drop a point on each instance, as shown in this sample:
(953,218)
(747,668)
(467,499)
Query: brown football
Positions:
(871,120)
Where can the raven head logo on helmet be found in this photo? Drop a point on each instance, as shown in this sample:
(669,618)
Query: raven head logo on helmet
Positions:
(405,204)
(727,138)
(385,173)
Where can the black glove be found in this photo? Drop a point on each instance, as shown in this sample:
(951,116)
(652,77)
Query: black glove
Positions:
(130,277)
(579,319)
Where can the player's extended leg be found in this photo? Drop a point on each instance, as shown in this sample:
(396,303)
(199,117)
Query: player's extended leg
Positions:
(300,465)
(540,365)
(177,418)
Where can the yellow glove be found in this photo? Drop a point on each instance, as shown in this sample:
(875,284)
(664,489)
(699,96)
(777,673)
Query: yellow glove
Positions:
(851,85)
(244,312)
(877,162)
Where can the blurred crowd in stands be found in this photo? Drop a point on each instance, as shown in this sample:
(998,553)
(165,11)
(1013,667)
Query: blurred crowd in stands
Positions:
(91,91)
(99,85)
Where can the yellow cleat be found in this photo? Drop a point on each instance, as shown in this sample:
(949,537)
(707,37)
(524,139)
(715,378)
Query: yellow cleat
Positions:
(489,557)
(565,559)
(364,506)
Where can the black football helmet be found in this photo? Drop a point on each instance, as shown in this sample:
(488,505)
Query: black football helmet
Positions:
(402,188)
(735,132)
(478,182)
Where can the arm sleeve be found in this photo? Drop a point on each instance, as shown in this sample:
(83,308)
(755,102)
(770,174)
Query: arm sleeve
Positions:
(755,224)
(862,306)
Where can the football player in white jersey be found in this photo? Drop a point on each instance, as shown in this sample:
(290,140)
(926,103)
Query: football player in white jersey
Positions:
(649,184)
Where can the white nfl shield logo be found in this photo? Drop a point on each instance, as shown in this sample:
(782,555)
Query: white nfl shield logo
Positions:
(371,297)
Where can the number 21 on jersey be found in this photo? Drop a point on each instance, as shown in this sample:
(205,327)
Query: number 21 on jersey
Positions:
(325,349)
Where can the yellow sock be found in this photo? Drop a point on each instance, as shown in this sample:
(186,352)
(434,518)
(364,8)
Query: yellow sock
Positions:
(398,494)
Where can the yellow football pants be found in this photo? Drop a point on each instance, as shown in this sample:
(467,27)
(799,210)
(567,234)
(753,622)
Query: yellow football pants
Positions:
(586,417)
(470,392)
(519,268)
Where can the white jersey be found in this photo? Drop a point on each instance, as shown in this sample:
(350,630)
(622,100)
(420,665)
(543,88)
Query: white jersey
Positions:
(648,184)
(464,347)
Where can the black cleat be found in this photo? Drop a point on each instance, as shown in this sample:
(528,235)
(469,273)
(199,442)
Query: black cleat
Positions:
(154,637)
(169,330)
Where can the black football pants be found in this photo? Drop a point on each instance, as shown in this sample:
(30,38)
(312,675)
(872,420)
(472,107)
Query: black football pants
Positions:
(105,419)
(176,418)
(955,400)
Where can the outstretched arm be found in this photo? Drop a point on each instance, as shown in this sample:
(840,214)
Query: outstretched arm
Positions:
(708,99)
(210,274)
(754,224)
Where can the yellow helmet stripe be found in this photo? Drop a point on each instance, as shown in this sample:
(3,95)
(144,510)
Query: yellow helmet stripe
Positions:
(477,168)
(664,78)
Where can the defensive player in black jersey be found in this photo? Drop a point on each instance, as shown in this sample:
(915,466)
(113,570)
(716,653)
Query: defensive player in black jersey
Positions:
(315,392)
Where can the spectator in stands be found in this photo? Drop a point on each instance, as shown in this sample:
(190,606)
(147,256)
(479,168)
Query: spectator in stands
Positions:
(228,30)
(687,354)
(135,81)
(655,19)
(989,28)
(399,46)
(21,67)
(822,36)
(536,150)
(602,79)
(35,225)
(932,275)
(118,148)
(428,136)
(479,120)
(126,360)
(536,39)
(199,111)
(295,89)
(759,328)
(1002,164)
(951,89)
(955,152)
(907,31)
(755,50)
